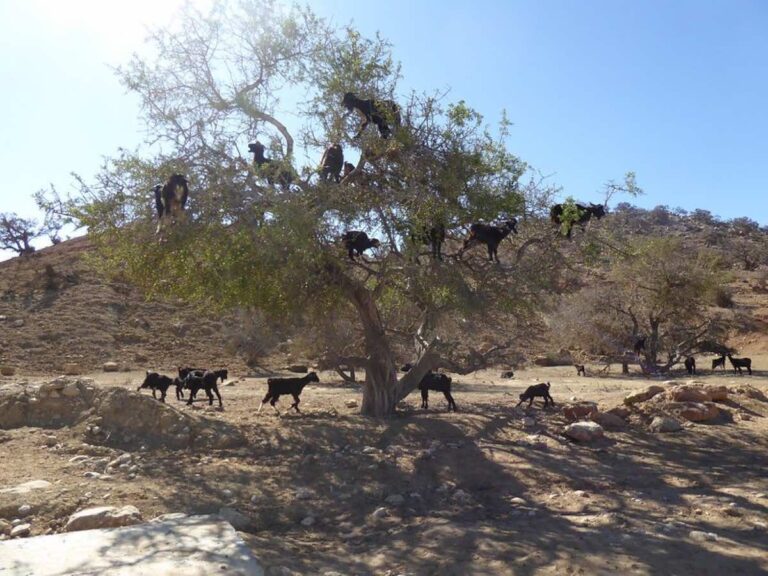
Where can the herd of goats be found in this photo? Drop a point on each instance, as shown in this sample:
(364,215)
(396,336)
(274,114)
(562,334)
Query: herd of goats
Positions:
(171,197)
(195,379)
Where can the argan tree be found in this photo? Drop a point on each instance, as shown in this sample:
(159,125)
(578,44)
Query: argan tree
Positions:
(249,70)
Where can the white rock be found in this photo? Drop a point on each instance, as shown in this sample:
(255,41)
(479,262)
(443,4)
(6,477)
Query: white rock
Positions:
(517,501)
(370,450)
(24,510)
(308,521)
(699,535)
(380,512)
(663,424)
(351,404)
(26,487)
(584,431)
(71,390)
(92,475)
(21,530)
(227,492)
(103,517)
(49,440)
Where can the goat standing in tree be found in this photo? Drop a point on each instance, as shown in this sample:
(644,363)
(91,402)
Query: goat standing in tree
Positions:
(383,113)
(170,199)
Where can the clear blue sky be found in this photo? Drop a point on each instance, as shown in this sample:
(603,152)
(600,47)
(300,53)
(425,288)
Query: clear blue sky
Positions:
(675,91)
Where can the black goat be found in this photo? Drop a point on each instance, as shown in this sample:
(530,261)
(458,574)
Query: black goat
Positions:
(208,382)
(490,235)
(277,387)
(332,163)
(718,362)
(508,374)
(433,236)
(585,214)
(170,199)
(739,363)
(690,364)
(278,173)
(639,345)
(536,390)
(156,381)
(348,169)
(358,242)
(438,383)
(383,113)
(581,370)
(406,367)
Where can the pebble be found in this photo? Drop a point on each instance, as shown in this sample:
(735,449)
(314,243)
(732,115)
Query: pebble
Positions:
(699,535)
(91,474)
(370,450)
(308,521)
(25,509)
(395,499)
(379,512)
(227,492)
(16,521)
(50,440)
(517,501)
(21,530)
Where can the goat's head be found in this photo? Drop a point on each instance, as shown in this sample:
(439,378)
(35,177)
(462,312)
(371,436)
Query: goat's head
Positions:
(375,243)
(511,225)
(312,377)
(349,101)
(598,210)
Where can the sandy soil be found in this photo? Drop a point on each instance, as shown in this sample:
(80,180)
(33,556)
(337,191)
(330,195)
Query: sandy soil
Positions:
(473,492)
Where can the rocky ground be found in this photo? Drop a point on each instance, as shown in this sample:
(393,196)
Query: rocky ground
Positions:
(490,489)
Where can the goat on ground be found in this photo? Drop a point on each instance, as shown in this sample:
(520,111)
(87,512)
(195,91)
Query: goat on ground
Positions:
(490,235)
(536,390)
(432,236)
(155,382)
(581,370)
(170,199)
(585,215)
(380,112)
(739,363)
(438,383)
(718,362)
(639,345)
(208,382)
(690,364)
(278,173)
(277,387)
(358,242)
(332,163)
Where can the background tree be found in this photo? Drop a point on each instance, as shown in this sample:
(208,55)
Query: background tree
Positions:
(16,233)
(254,69)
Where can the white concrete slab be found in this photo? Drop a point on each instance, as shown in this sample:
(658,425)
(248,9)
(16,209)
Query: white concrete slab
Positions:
(174,545)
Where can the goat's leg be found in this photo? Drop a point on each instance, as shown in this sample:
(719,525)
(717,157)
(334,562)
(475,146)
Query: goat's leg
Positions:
(425,399)
(272,403)
(451,403)
(210,396)
(264,401)
(296,403)
(153,394)
(162,396)
(552,400)
(218,395)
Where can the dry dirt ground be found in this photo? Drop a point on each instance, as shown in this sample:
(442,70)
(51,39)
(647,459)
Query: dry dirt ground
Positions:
(480,491)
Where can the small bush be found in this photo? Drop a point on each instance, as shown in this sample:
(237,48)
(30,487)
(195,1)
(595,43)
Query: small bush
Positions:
(724,298)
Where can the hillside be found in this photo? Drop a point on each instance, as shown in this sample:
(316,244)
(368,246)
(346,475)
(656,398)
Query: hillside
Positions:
(55,307)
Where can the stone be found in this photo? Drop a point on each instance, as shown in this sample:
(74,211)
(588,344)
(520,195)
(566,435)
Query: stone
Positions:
(579,411)
(308,521)
(26,487)
(665,424)
(71,369)
(351,404)
(71,390)
(394,499)
(7,370)
(49,440)
(621,411)
(584,431)
(110,367)
(21,530)
(717,393)
(304,494)
(688,393)
(699,535)
(18,323)
(643,395)
(5,526)
(608,420)
(193,546)
(24,510)
(379,513)
(695,411)
(529,422)
(103,517)
(461,497)
(237,519)
(370,450)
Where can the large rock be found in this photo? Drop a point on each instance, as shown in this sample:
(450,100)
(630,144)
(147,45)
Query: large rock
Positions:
(584,431)
(694,411)
(665,424)
(689,393)
(26,487)
(169,546)
(71,369)
(579,411)
(643,395)
(608,420)
(716,393)
(103,517)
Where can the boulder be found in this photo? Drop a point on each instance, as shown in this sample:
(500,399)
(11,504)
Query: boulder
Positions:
(584,431)
(579,411)
(103,517)
(665,424)
(26,487)
(111,367)
(695,411)
(716,393)
(621,411)
(608,420)
(689,393)
(21,530)
(643,395)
